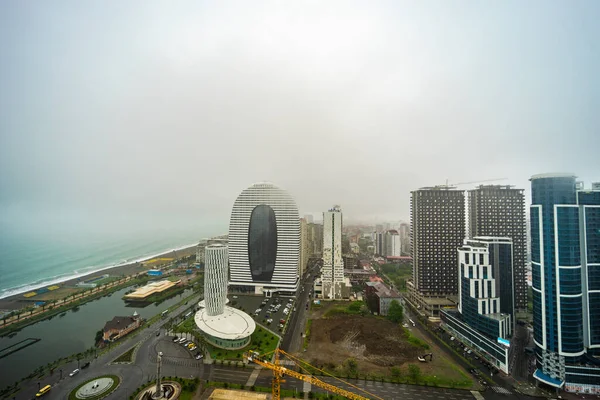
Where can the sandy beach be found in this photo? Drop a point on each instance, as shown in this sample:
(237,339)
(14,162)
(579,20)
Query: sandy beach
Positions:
(19,301)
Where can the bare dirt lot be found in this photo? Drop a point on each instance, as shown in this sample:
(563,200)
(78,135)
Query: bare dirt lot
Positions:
(377,345)
(374,340)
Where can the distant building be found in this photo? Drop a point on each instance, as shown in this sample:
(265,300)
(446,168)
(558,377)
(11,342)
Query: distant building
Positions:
(315,239)
(499,211)
(355,248)
(438,229)
(404,232)
(379,297)
(304,246)
(486,304)
(120,326)
(380,247)
(264,241)
(308,218)
(392,244)
(333,263)
(565,258)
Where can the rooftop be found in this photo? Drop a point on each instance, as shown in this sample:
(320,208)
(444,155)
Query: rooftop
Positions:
(119,323)
(232,324)
(151,288)
(382,290)
(553,175)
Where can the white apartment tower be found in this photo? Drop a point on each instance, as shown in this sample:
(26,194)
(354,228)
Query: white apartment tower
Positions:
(393,244)
(333,263)
(215,280)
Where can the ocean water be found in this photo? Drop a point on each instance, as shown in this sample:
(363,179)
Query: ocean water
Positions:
(33,259)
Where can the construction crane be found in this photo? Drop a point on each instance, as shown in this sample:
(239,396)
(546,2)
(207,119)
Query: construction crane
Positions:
(470,183)
(279,371)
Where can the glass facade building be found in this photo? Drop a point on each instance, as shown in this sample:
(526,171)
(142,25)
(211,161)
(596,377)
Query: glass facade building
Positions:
(565,237)
(486,299)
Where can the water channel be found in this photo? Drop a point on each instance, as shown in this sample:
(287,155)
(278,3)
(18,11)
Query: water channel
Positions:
(72,333)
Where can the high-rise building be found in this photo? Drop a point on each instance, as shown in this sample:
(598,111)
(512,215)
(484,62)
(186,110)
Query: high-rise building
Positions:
(264,240)
(438,229)
(485,300)
(392,244)
(304,246)
(565,258)
(222,326)
(333,263)
(496,210)
(315,239)
(380,245)
(404,232)
(215,278)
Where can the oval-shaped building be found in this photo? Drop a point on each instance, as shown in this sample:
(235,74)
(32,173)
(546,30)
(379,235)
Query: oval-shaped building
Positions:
(264,240)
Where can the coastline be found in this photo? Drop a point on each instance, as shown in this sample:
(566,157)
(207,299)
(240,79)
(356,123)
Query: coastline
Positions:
(16,301)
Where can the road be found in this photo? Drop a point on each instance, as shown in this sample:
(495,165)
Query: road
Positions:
(132,375)
(293,339)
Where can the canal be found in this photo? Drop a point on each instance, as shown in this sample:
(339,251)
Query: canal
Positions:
(70,334)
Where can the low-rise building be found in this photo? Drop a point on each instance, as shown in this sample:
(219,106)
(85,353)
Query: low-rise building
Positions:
(150,289)
(120,326)
(379,297)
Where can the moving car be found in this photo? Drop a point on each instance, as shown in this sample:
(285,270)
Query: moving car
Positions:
(84,366)
(75,372)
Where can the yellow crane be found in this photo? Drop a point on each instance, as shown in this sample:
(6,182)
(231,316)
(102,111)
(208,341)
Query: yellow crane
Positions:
(279,371)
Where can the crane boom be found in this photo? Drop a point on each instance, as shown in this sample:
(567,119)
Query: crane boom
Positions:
(469,183)
(279,371)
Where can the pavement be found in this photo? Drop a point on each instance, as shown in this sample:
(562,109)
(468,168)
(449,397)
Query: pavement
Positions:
(177,361)
(132,375)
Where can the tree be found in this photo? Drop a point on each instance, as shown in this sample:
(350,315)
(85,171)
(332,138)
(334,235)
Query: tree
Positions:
(414,372)
(351,366)
(396,372)
(395,312)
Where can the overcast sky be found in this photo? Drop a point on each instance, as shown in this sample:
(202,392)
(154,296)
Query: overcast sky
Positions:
(157,109)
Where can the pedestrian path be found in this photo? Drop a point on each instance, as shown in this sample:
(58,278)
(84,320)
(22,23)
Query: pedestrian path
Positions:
(501,390)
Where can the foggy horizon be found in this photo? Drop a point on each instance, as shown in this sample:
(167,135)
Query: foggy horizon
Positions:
(146,113)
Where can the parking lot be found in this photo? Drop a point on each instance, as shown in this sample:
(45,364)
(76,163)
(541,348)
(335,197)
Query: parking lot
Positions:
(265,307)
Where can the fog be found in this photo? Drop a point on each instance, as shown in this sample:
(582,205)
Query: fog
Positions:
(151,112)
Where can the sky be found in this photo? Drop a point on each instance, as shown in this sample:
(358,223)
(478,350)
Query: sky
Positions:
(142,112)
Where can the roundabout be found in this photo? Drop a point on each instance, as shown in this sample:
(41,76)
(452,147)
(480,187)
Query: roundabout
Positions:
(95,388)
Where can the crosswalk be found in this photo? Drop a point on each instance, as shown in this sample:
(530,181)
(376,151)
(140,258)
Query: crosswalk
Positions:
(501,390)
(181,362)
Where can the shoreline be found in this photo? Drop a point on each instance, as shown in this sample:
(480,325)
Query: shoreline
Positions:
(16,301)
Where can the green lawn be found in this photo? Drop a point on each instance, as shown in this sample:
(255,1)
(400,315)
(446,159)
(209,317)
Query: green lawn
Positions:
(263,341)
(125,357)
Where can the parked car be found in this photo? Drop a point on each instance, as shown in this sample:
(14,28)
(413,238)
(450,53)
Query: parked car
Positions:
(157,333)
(84,366)
(176,339)
(75,372)
(199,356)
(282,321)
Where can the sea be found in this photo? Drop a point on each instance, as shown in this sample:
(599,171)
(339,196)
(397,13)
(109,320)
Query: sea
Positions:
(36,256)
